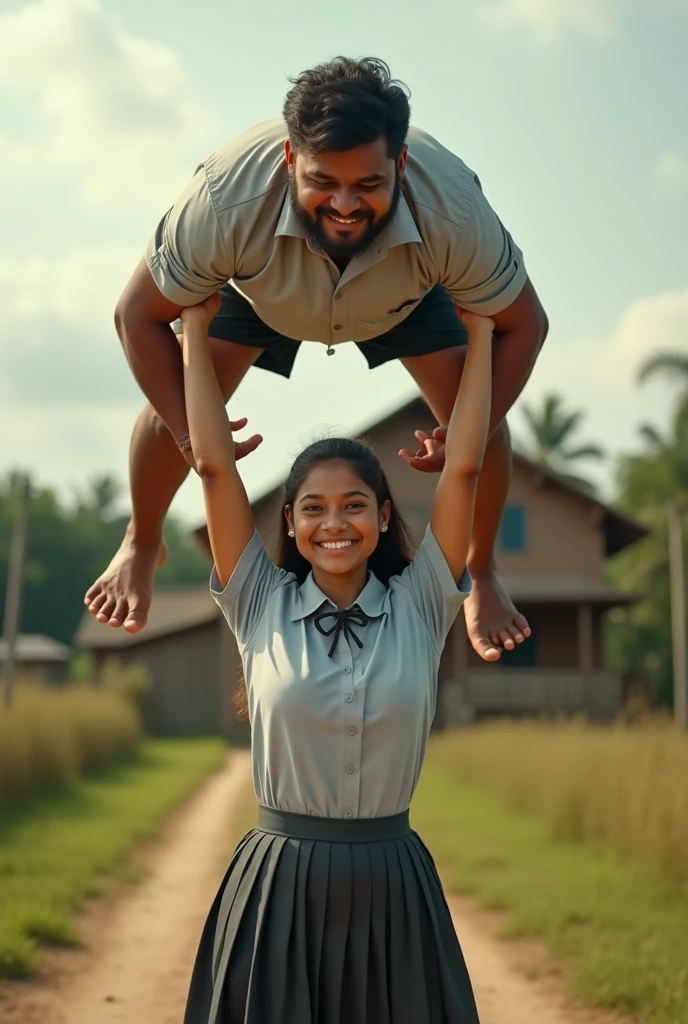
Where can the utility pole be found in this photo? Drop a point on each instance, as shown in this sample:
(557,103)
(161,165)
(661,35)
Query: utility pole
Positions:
(13,592)
(679,627)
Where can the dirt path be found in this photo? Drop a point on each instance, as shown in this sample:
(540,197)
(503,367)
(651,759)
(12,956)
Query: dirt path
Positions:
(140,943)
(515,983)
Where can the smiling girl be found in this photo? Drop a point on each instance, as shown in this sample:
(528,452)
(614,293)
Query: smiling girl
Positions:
(331,911)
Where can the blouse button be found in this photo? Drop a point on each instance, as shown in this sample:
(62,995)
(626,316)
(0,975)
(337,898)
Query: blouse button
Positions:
(349,697)
(352,731)
(347,670)
(347,814)
(349,769)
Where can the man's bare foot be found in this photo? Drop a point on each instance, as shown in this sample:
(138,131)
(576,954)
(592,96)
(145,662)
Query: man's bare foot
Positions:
(493,623)
(122,595)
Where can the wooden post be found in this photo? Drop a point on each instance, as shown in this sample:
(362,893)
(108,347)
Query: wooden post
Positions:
(13,592)
(585,655)
(678,614)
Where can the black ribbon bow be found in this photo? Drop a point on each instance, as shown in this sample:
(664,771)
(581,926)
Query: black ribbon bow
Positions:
(342,624)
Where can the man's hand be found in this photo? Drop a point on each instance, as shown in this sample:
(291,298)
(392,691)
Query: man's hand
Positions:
(243,448)
(430,456)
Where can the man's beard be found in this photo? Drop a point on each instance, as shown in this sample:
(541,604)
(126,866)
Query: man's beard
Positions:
(342,250)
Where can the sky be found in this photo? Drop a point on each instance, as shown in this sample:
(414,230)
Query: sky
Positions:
(572,114)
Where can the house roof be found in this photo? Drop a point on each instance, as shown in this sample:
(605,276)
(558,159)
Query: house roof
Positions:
(620,531)
(35,647)
(172,611)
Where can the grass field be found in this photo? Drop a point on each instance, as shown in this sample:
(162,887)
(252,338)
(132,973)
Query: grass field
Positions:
(57,850)
(620,930)
(49,737)
(625,787)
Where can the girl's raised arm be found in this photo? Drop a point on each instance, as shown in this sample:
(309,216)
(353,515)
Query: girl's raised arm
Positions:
(467,434)
(228,512)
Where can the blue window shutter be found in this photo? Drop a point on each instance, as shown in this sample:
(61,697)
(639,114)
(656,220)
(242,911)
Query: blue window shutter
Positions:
(512,529)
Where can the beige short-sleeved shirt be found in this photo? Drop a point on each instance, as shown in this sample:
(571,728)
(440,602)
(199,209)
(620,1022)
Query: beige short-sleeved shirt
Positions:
(234,222)
(342,736)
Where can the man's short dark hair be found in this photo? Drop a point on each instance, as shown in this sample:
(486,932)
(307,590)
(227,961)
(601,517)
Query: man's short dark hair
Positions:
(345,103)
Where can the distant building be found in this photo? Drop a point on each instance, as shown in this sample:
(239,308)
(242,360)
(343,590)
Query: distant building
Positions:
(190,655)
(38,659)
(553,544)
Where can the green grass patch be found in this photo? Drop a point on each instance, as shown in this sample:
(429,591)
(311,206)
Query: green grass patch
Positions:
(56,851)
(621,931)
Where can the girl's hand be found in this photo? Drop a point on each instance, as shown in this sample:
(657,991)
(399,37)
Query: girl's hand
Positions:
(476,325)
(204,312)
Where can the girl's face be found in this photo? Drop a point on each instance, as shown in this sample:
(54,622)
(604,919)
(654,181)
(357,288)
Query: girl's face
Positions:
(336,519)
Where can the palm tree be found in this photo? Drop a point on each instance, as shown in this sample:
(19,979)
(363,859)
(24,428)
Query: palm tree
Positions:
(674,365)
(551,442)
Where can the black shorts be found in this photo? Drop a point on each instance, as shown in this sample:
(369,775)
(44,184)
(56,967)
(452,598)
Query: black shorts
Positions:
(431,327)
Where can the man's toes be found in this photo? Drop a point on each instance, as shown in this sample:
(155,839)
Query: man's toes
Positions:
(487,648)
(507,640)
(136,618)
(119,614)
(97,603)
(521,625)
(92,593)
(107,609)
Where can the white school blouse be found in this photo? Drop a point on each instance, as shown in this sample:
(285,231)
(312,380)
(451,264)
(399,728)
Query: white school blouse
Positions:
(342,736)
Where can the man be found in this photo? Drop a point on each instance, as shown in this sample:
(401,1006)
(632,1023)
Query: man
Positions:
(335,223)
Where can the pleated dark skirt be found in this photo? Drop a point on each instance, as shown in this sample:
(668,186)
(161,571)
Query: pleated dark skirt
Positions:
(330,921)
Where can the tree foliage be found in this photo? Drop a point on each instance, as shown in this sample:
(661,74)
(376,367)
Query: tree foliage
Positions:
(69,543)
(551,440)
(647,482)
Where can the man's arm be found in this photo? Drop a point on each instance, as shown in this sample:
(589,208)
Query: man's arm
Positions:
(142,318)
(188,258)
(520,332)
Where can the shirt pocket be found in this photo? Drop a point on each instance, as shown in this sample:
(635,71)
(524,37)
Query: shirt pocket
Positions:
(367,329)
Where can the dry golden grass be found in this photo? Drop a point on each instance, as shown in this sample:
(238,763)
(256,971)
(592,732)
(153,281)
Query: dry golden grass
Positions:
(624,786)
(50,737)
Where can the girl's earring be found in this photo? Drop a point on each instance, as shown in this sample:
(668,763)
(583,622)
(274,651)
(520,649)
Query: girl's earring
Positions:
(383,528)
(291,533)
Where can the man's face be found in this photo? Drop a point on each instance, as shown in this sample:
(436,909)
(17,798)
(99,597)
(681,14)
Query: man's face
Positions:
(344,200)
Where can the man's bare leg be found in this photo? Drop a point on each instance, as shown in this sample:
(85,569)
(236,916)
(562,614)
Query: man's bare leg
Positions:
(122,595)
(492,620)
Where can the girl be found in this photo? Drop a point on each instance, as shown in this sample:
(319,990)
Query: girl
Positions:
(331,911)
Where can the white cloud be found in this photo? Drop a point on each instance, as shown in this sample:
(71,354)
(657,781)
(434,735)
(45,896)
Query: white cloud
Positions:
(79,288)
(114,106)
(598,374)
(58,345)
(548,19)
(671,173)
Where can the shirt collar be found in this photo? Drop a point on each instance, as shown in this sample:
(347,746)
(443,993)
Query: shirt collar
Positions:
(309,598)
(289,223)
(401,231)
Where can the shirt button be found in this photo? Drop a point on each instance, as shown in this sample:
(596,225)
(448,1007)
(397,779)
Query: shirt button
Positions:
(337,327)
(349,697)
(347,670)
(349,769)
(338,295)
(347,814)
(352,731)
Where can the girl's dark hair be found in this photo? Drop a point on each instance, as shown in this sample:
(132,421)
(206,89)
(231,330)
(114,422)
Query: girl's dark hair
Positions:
(394,549)
(345,103)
